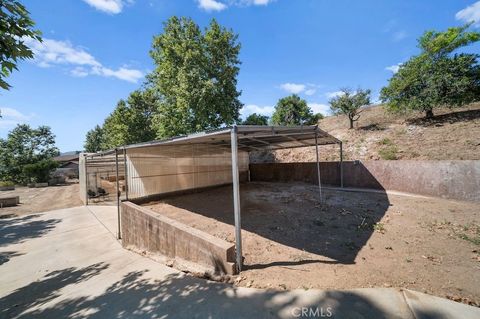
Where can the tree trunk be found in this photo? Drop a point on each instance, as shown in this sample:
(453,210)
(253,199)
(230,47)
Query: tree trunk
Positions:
(351,123)
(429,114)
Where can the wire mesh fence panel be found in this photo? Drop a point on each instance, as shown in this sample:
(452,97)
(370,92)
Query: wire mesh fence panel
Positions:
(98,179)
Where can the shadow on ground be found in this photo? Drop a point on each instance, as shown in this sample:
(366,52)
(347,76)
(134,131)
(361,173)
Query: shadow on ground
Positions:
(372,127)
(17,230)
(5,256)
(290,214)
(177,296)
(20,229)
(454,117)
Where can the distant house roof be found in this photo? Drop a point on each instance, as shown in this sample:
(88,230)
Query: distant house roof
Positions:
(70,164)
(66,158)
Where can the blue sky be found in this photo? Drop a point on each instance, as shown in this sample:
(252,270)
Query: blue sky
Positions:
(96,52)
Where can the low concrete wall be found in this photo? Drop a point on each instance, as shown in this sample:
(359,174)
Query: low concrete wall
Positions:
(150,231)
(448,179)
(9,201)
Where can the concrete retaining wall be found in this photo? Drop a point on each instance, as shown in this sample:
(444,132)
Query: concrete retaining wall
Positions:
(150,231)
(448,179)
(9,201)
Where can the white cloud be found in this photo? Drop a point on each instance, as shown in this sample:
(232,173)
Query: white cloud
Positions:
(252,108)
(52,52)
(11,117)
(14,114)
(108,6)
(211,5)
(470,14)
(390,25)
(130,75)
(399,35)
(79,72)
(393,68)
(216,5)
(319,108)
(331,95)
(293,87)
(375,100)
(255,2)
(297,88)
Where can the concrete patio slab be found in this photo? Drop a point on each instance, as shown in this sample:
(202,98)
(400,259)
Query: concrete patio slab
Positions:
(68,264)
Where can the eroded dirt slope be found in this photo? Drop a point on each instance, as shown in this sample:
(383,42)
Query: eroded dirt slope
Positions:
(451,135)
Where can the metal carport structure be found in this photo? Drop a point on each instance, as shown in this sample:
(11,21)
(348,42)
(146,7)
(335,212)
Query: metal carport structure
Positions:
(199,160)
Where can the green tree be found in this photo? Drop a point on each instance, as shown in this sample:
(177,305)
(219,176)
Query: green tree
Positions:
(129,123)
(350,103)
(95,140)
(143,105)
(40,171)
(292,110)
(15,27)
(437,77)
(25,146)
(195,77)
(115,127)
(256,119)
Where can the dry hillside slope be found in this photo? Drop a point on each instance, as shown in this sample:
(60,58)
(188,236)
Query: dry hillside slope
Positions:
(451,135)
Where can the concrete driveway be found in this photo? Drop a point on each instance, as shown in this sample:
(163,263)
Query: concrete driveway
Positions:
(68,264)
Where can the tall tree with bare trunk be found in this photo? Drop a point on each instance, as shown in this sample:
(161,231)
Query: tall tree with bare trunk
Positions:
(350,102)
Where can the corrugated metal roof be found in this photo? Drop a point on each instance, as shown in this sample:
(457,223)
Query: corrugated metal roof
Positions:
(250,138)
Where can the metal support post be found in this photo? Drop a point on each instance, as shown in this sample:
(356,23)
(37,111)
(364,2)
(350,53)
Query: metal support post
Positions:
(318,168)
(341,164)
(236,198)
(125,173)
(86,181)
(118,193)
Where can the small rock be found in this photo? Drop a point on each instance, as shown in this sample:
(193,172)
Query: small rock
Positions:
(249,284)
(239,279)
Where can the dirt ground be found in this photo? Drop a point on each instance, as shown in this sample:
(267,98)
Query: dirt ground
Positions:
(35,200)
(353,239)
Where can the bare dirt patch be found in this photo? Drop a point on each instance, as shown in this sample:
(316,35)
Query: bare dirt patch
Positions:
(353,239)
(35,200)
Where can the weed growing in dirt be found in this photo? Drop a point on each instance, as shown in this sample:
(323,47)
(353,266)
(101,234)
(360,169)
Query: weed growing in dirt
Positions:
(473,240)
(388,153)
(389,150)
(386,141)
(379,227)
(470,233)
